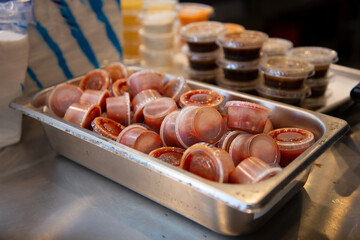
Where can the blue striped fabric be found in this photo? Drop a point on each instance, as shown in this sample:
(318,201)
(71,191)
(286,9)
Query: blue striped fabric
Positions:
(70,38)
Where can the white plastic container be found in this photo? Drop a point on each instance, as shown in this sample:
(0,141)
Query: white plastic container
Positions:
(156,59)
(155,41)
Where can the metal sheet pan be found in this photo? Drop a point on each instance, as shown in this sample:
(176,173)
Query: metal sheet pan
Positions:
(225,208)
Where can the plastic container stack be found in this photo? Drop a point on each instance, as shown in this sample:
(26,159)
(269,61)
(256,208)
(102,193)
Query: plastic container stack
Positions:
(202,50)
(131,9)
(240,59)
(321,58)
(157,36)
(284,79)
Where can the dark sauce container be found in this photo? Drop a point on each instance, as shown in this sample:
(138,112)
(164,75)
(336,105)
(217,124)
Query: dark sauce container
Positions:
(242,45)
(201,36)
(239,71)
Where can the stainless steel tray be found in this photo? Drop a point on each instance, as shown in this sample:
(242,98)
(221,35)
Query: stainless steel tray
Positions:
(225,208)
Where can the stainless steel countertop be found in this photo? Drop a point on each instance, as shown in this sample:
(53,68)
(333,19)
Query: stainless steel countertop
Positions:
(46,196)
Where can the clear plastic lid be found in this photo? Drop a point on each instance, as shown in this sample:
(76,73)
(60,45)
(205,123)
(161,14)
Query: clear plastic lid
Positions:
(200,55)
(292,139)
(249,105)
(157,18)
(238,65)
(318,56)
(159,107)
(282,66)
(82,114)
(237,85)
(304,91)
(201,97)
(233,27)
(317,82)
(242,39)
(205,31)
(227,138)
(207,161)
(276,46)
(146,79)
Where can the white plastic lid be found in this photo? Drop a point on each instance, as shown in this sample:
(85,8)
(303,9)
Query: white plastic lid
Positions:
(318,56)
(242,39)
(205,31)
(276,46)
(282,66)
(157,17)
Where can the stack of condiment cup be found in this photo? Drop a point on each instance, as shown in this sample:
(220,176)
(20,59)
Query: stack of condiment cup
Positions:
(157,35)
(275,47)
(284,79)
(202,50)
(321,58)
(131,9)
(240,59)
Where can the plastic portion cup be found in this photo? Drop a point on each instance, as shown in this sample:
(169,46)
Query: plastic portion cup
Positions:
(175,88)
(227,138)
(208,162)
(118,109)
(293,97)
(61,97)
(247,116)
(139,138)
(259,145)
(168,132)
(242,45)
(119,87)
(82,114)
(156,110)
(96,79)
(194,12)
(107,127)
(171,155)
(318,85)
(201,61)
(156,41)
(95,97)
(292,142)
(239,71)
(199,124)
(201,36)
(201,97)
(140,100)
(145,79)
(285,72)
(117,71)
(275,47)
(320,57)
(158,22)
(157,59)
(253,170)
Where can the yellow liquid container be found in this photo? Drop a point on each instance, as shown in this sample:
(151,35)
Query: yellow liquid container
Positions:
(160,5)
(131,10)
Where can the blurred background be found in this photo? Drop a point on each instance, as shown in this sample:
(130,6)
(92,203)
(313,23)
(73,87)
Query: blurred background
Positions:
(328,23)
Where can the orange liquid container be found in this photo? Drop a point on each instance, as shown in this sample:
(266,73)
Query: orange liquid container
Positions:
(194,12)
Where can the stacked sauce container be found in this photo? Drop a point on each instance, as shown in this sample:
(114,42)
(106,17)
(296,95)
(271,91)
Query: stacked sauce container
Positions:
(157,36)
(321,58)
(240,60)
(201,49)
